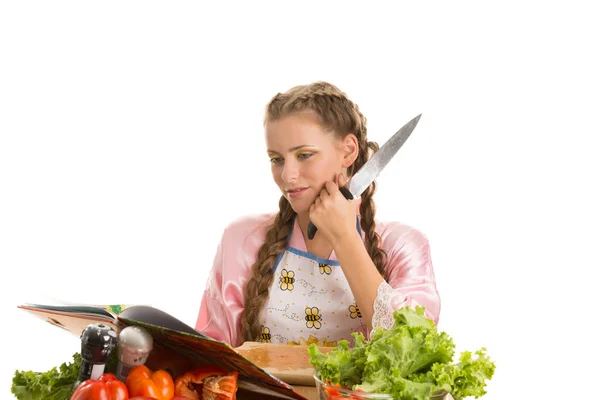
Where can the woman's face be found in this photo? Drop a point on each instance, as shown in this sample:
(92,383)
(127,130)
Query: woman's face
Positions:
(303,157)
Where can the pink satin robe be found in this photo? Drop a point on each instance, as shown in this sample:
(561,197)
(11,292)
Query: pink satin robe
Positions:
(409,274)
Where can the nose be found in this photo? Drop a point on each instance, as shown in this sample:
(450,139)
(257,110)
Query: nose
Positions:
(290,171)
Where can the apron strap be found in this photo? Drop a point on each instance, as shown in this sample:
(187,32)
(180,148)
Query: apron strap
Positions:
(358,227)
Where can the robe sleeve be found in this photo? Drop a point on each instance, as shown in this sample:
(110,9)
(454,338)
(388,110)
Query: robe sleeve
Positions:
(410,280)
(222,303)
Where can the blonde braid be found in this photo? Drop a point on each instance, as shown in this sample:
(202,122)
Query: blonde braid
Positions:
(257,289)
(367,205)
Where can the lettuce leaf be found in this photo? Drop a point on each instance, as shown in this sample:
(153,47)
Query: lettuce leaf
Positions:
(343,365)
(463,379)
(55,384)
(410,361)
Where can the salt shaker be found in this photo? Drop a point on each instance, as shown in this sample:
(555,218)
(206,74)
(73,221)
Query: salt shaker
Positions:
(133,347)
(97,342)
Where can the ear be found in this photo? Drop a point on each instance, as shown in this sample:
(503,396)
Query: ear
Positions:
(349,150)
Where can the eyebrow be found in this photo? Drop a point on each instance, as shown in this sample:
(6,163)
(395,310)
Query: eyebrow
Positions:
(292,149)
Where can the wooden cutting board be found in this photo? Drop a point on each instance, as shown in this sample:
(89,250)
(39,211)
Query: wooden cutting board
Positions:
(286,362)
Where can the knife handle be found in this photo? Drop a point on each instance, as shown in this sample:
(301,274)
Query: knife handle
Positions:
(312,229)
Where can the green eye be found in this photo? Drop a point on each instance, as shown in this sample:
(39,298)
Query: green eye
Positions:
(276,160)
(304,156)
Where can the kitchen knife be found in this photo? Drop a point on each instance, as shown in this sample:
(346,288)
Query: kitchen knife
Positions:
(361,180)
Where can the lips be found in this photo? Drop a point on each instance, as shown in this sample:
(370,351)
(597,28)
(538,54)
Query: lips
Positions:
(297,191)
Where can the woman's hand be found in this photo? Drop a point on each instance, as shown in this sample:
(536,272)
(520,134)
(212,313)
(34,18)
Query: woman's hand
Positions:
(333,214)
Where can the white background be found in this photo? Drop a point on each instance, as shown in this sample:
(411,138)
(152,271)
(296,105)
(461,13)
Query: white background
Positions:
(131,134)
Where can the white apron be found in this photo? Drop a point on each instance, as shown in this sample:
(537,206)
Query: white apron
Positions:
(309,301)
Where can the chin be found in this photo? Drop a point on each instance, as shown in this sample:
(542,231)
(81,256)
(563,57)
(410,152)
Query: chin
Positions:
(300,209)
(299,206)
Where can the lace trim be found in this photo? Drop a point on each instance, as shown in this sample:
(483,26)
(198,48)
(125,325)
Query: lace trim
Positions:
(382,307)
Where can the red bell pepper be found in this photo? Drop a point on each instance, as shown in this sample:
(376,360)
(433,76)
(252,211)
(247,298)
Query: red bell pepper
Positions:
(209,381)
(141,381)
(106,387)
(152,398)
(220,387)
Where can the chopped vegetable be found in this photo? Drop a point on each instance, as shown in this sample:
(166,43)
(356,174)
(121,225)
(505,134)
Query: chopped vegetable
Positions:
(221,387)
(410,361)
(208,381)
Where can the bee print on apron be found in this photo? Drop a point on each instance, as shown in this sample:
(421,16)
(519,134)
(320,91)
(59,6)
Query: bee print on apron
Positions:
(313,318)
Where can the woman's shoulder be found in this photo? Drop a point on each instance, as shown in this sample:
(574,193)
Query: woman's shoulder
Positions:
(395,234)
(248,226)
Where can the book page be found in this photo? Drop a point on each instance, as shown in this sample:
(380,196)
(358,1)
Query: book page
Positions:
(74,323)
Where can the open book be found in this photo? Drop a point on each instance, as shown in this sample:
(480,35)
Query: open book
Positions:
(177,347)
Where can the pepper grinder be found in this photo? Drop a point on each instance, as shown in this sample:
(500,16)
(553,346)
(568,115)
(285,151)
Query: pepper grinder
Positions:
(97,342)
(133,347)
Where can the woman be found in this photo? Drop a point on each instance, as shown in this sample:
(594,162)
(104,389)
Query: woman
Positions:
(271,283)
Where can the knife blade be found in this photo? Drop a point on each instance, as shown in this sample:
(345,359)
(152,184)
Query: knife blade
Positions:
(361,180)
